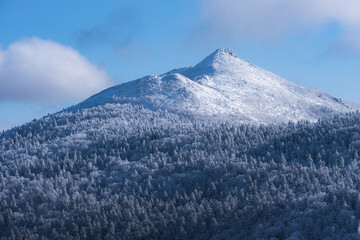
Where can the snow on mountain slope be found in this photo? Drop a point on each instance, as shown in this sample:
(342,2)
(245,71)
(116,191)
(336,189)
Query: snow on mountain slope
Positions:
(225,87)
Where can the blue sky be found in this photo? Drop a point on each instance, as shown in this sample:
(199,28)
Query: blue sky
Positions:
(56,53)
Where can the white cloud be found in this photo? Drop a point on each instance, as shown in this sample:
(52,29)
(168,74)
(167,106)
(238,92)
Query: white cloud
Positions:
(262,19)
(33,69)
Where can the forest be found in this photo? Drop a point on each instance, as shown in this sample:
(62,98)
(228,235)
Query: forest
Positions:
(122,171)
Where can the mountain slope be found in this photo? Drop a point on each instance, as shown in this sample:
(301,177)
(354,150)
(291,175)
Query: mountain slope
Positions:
(125,172)
(227,87)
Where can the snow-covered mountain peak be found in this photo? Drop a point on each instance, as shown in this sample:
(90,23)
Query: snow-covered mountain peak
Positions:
(222,61)
(225,87)
(221,55)
(221,58)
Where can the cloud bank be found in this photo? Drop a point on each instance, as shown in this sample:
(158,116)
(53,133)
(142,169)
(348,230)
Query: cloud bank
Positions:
(39,70)
(263,19)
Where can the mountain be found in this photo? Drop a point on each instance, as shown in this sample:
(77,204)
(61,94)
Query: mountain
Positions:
(225,87)
(126,171)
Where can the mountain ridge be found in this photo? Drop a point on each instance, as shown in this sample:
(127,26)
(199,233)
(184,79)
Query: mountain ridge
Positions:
(224,86)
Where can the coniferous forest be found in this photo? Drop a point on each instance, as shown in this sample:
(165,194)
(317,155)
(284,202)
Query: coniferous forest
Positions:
(125,172)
